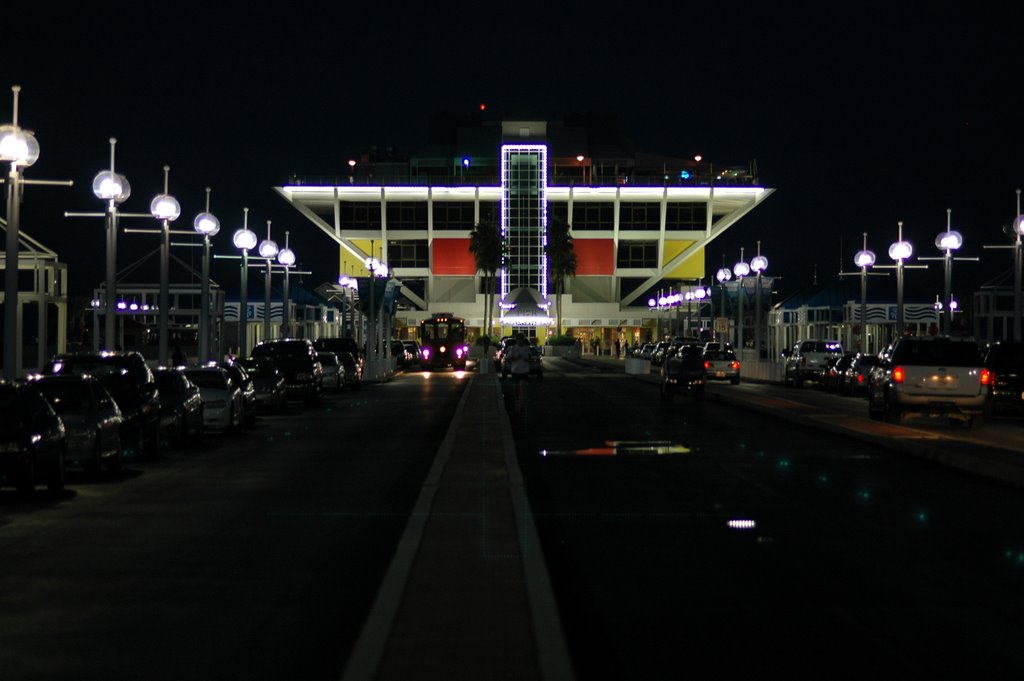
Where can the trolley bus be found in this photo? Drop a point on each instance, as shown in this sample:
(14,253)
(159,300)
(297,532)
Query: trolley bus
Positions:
(443,342)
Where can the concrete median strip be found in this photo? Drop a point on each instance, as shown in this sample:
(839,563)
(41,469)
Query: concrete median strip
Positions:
(467,594)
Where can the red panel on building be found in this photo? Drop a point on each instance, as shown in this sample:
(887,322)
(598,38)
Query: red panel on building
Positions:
(452,257)
(594,256)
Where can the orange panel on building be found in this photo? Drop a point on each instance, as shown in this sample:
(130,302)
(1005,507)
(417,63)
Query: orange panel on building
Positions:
(594,256)
(452,257)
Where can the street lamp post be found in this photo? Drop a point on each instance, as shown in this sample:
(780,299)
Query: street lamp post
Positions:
(113,188)
(689,312)
(166,209)
(899,251)
(19,148)
(207,225)
(1018,228)
(244,240)
(374,358)
(268,251)
(864,259)
(286,258)
(758,265)
(723,275)
(1015,231)
(740,269)
(699,294)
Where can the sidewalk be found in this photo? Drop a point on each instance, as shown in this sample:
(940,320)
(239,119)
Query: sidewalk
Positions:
(467,594)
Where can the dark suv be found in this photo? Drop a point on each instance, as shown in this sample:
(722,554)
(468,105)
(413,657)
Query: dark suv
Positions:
(131,383)
(1005,362)
(297,360)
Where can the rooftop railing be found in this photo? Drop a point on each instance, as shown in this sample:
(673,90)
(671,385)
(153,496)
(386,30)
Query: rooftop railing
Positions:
(393,179)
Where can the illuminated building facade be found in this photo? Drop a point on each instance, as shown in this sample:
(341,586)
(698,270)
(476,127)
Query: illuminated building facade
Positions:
(639,223)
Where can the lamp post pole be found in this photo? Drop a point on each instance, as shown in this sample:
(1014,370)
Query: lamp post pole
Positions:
(244,240)
(740,269)
(18,148)
(864,259)
(286,258)
(207,225)
(115,189)
(899,251)
(166,209)
(758,264)
(723,275)
(267,251)
(1018,229)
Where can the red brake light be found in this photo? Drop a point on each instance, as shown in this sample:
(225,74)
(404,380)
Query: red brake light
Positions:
(986,377)
(707,365)
(897,375)
(735,365)
(860,378)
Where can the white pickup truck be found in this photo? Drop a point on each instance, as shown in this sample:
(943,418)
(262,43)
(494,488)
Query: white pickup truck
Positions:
(931,377)
(808,360)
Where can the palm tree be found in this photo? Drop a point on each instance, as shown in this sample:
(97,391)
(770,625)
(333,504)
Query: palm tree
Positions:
(486,246)
(561,261)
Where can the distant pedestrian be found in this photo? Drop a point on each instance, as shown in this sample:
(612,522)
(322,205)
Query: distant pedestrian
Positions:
(618,347)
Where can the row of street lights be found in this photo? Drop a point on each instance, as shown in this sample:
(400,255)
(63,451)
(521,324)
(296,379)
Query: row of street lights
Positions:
(19,148)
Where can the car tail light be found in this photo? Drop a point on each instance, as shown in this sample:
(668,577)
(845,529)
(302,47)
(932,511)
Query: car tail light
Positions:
(897,375)
(986,377)
(735,365)
(860,378)
(707,365)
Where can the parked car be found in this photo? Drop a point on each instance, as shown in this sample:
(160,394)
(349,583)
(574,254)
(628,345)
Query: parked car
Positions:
(930,376)
(1005,362)
(353,370)
(412,352)
(682,372)
(403,358)
(722,365)
(499,350)
(340,345)
(536,363)
(271,389)
(835,375)
(646,351)
(857,375)
(659,353)
(92,420)
(808,360)
(334,370)
(181,405)
(223,407)
(717,345)
(133,386)
(296,358)
(244,382)
(33,439)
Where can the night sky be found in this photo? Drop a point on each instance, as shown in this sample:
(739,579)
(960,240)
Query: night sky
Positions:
(855,121)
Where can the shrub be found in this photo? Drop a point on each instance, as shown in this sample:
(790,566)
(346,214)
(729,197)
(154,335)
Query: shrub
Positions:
(561,340)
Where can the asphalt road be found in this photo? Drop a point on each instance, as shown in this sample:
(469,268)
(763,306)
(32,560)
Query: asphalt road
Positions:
(696,538)
(254,556)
